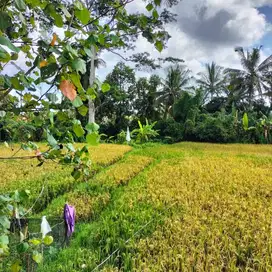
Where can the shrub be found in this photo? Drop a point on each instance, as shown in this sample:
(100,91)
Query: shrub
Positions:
(121,137)
(186,107)
(109,129)
(170,131)
(218,128)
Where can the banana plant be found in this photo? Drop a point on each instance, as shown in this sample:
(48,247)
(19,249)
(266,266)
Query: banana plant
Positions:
(264,125)
(145,132)
(245,123)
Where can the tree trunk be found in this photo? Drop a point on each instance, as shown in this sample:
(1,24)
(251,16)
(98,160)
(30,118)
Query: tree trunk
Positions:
(165,112)
(91,105)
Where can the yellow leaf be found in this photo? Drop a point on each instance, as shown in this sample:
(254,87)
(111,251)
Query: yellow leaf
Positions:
(48,240)
(55,36)
(16,267)
(68,89)
(43,63)
(35,242)
(37,257)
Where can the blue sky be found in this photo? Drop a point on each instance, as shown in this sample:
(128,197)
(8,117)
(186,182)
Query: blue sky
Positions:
(267,11)
(267,39)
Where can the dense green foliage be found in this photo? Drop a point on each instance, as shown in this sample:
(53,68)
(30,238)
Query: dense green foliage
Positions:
(209,107)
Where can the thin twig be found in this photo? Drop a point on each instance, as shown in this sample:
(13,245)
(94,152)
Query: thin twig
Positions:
(16,152)
(118,54)
(70,24)
(108,10)
(19,158)
(52,85)
(49,89)
(30,209)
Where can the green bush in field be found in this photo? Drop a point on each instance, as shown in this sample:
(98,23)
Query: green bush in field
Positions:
(170,131)
(215,128)
(121,137)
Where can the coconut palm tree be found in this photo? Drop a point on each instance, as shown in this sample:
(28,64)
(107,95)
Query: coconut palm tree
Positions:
(254,78)
(176,79)
(170,3)
(212,81)
(269,82)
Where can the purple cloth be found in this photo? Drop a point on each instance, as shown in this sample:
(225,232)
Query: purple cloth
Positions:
(69,218)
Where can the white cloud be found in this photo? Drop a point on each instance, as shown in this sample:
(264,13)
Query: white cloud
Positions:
(136,6)
(213,23)
(208,30)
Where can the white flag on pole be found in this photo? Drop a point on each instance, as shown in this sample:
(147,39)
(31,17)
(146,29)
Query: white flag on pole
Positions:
(45,227)
(128,135)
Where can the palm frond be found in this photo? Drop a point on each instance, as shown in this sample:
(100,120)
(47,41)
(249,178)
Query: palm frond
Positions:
(235,72)
(243,58)
(99,63)
(212,80)
(269,94)
(162,99)
(254,60)
(266,64)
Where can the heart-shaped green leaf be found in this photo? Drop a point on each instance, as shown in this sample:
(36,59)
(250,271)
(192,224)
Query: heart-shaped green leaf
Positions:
(48,240)
(37,257)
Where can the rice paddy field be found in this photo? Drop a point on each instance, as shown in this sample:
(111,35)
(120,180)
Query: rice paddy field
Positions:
(181,207)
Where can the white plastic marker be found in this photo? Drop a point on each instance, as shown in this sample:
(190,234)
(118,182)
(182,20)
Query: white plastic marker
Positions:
(128,139)
(45,227)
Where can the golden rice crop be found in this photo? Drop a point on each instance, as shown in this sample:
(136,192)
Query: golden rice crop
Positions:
(208,208)
(105,154)
(51,179)
(224,223)
(86,203)
(123,171)
(221,197)
(248,149)
(14,171)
